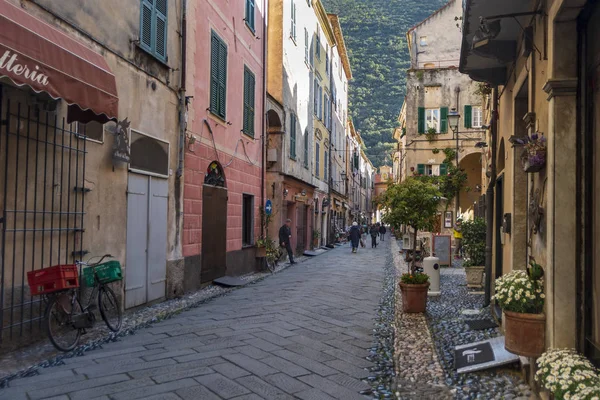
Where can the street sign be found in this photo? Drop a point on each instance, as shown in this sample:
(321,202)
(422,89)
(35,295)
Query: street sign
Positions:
(268,207)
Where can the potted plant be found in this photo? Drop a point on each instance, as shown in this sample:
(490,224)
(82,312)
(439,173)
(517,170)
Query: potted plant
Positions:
(261,247)
(520,294)
(414,287)
(316,236)
(431,134)
(533,158)
(568,375)
(474,233)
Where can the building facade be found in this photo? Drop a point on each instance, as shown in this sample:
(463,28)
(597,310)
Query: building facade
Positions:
(543,83)
(223,192)
(434,88)
(75,183)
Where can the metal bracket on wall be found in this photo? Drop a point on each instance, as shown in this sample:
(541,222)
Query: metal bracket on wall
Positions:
(79,253)
(81,189)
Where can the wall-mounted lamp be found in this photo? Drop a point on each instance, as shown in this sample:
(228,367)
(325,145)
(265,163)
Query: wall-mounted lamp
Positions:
(285,193)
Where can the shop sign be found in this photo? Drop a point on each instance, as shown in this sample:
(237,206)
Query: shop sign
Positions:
(121,143)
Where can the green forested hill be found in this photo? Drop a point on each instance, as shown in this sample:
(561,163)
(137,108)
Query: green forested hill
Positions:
(375,34)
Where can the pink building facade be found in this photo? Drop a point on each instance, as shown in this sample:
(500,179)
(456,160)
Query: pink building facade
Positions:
(223,172)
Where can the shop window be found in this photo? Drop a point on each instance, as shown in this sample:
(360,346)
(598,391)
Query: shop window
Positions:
(153,28)
(92,131)
(247,220)
(149,155)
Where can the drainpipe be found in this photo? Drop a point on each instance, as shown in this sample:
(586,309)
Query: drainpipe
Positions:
(489,199)
(457,202)
(182,123)
(264,118)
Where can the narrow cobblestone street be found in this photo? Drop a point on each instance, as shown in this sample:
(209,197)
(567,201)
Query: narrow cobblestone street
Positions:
(303,333)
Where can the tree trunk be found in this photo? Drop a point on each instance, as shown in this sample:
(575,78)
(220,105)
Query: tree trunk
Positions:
(414,253)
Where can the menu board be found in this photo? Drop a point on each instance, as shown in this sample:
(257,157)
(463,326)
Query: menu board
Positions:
(442,249)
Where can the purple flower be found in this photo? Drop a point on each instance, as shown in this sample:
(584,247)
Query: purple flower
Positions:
(534,136)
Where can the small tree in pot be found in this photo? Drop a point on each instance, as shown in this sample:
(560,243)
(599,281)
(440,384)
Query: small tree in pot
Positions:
(474,233)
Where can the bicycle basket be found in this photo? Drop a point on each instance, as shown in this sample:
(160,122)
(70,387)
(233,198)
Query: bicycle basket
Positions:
(106,272)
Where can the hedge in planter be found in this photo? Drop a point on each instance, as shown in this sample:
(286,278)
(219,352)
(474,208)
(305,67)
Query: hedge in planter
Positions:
(474,233)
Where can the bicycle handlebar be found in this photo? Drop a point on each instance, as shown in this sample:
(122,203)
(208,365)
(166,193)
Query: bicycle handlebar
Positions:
(87,263)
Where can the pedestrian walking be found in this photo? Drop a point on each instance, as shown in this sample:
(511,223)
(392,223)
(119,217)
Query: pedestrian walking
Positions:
(382,232)
(457,238)
(354,236)
(285,237)
(374,233)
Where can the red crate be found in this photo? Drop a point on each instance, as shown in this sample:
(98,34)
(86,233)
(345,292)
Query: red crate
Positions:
(52,279)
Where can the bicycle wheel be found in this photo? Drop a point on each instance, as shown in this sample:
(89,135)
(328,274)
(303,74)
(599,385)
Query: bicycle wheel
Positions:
(271,264)
(59,325)
(110,309)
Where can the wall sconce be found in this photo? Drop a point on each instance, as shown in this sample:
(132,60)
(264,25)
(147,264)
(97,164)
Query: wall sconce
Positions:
(285,193)
(303,193)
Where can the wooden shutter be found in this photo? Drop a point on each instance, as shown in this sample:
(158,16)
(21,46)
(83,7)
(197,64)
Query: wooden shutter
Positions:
(421,169)
(293,136)
(160,47)
(317,160)
(468,116)
(443,169)
(306,149)
(316,94)
(222,79)
(250,14)
(421,121)
(146,33)
(249,85)
(306,45)
(325,166)
(293,29)
(214,73)
(444,120)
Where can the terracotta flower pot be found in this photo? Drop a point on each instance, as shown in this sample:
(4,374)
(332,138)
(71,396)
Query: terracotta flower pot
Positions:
(525,334)
(474,276)
(414,297)
(261,252)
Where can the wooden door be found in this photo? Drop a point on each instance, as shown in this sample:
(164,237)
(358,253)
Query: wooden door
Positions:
(214,233)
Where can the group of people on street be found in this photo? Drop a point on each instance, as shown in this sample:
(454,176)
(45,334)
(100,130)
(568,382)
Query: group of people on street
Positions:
(356,233)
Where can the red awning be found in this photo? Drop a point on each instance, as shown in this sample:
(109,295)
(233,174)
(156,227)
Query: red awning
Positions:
(35,54)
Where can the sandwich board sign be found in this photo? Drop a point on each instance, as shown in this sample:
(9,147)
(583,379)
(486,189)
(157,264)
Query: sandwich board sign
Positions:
(482,355)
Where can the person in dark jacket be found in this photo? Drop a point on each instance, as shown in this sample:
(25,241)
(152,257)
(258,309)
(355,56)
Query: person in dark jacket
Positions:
(382,232)
(354,236)
(374,233)
(285,236)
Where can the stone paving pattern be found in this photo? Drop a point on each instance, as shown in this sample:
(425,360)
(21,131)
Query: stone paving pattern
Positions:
(303,333)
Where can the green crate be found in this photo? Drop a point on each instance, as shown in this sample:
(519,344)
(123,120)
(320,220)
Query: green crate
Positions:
(107,272)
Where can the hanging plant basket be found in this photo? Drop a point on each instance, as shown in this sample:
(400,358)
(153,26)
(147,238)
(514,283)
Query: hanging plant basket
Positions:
(533,162)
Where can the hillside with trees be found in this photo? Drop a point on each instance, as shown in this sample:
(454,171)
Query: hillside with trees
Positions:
(375,34)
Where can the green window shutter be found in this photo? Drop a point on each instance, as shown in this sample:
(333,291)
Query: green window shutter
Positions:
(249,86)
(444,120)
(146,30)
(250,14)
(222,80)
(421,169)
(214,73)
(421,121)
(160,47)
(443,169)
(468,116)
(293,136)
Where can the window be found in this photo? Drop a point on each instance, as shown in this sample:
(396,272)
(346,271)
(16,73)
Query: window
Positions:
(218,76)
(317,159)
(293,136)
(306,149)
(153,28)
(432,118)
(423,41)
(92,131)
(327,59)
(249,85)
(306,46)
(325,167)
(293,28)
(432,170)
(318,49)
(247,220)
(316,94)
(326,110)
(250,14)
(477,117)
(149,155)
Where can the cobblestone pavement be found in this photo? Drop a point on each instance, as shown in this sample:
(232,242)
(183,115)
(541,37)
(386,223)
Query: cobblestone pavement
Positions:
(303,333)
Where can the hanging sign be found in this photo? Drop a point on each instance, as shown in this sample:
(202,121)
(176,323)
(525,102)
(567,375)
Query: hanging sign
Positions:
(121,143)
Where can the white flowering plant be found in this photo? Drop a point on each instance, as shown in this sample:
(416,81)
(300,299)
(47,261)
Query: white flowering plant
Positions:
(568,375)
(519,293)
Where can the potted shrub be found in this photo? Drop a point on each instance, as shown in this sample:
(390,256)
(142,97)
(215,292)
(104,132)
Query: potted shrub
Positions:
(414,287)
(261,247)
(316,236)
(431,134)
(474,245)
(568,375)
(520,294)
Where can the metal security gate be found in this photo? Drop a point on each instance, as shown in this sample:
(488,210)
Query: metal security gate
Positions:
(42,203)
(146,268)
(301,222)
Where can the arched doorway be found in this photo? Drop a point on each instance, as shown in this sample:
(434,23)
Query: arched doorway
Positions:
(214,224)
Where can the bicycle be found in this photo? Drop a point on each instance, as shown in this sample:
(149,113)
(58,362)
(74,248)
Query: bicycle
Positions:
(272,259)
(66,319)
